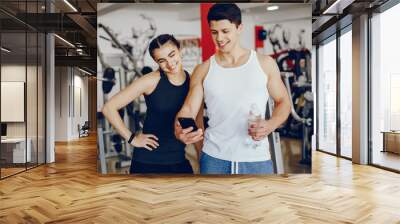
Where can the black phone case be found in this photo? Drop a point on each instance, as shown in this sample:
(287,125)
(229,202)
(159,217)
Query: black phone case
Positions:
(187,122)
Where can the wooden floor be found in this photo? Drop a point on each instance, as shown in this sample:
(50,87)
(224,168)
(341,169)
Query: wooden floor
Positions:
(387,159)
(10,171)
(71,191)
(291,154)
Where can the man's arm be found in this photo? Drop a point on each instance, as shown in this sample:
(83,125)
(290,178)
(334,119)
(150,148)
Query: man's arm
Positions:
(194,98)
(192,105)
(200,124)
(279,94)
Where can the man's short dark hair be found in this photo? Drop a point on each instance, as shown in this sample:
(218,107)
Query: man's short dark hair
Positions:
(221,11)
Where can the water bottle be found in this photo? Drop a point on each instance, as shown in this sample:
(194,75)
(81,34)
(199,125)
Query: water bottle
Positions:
(253,118)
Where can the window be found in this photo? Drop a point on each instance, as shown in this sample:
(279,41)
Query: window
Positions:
(22,66)
(346,94)
(327,97)
(385,89)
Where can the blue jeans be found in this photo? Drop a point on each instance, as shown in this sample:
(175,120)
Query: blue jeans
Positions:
(211,165)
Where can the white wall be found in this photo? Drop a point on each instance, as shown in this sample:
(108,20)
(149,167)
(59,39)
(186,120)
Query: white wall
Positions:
(15,72)
(68,79)
(80,83)
(33,125)
(61,103)
(247,38)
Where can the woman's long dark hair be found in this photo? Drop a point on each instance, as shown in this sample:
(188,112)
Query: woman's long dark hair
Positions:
(161,40)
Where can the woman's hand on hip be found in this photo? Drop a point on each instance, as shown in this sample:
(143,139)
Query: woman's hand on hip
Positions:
(147,141)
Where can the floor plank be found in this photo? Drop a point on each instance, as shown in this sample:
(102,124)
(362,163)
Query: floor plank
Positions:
(71,191)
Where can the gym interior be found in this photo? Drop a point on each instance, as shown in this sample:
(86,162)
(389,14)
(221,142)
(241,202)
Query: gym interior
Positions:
(61,162)
(289,42)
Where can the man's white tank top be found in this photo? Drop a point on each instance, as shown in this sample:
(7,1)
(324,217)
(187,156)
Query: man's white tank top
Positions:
(228,95)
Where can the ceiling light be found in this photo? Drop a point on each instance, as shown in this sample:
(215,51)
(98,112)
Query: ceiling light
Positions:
(84,71)
(272,7)
(70,5)
(64,40)
(333,6)
(5,49)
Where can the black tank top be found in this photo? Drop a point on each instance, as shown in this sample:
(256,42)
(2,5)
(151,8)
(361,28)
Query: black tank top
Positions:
(162,106)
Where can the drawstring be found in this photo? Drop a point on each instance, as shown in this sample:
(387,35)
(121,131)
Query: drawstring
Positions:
(234,167)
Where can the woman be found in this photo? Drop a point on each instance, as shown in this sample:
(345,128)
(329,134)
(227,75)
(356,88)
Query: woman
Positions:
(156,149)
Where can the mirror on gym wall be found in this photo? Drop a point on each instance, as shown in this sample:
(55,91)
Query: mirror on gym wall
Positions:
(147,122)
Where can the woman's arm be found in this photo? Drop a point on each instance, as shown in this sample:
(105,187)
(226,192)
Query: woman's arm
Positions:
(145,84)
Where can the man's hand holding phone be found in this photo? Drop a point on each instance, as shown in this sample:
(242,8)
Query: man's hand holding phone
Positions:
(187,131)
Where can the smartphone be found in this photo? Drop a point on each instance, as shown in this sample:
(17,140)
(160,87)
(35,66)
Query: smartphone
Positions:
(187,122)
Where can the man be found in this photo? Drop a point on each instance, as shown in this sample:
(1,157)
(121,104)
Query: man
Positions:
(229,83)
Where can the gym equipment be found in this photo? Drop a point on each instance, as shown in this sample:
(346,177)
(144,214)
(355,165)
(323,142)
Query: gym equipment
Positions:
(146,69)
(134,47)
(99,116)
(307,113)
(124,161)
(300,89)
(121,112)
(117,140)
(129,109)
(274,143)
(109,80)
(116,42)
(118,148)
(262,34)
